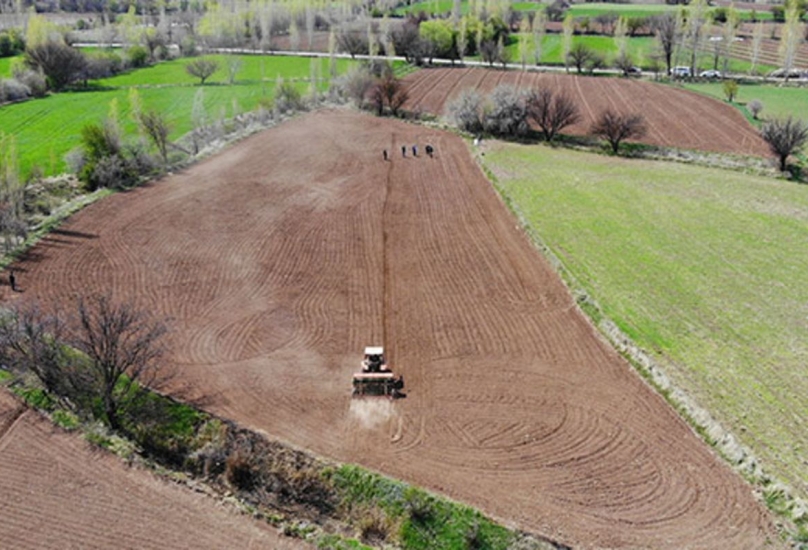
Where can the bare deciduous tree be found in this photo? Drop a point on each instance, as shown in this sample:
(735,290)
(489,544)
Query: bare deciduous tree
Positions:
(202,68)
(31,341)
(395,93)
(489,52)
(123,346)
(234,65)
(666,27)
(625,63)
(580,54)
(551,112)
(156,126)
(784,137)
(615,127)
(352,43)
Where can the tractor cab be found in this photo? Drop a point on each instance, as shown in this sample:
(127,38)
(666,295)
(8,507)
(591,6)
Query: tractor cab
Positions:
(375,378)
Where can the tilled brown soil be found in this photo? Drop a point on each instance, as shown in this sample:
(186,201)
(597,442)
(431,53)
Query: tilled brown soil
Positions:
(674,117)
(57,492)
(280,259)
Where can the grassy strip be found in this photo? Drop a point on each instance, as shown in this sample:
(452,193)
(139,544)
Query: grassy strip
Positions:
(673,255)
(5,66)
(777,100)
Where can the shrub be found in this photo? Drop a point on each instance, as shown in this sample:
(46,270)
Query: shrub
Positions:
(34,80)
(755,107)
(61,64)
(356,84)
(113,172)
(188,47)
(137,56)
(288,98)
(11,43)
(730,88)
(12,89)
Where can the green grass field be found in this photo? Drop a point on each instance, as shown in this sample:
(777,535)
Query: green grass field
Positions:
(578,10)
(777,101)
(46,129)
(254,69)
(704,268)
(641,49)
(5,66)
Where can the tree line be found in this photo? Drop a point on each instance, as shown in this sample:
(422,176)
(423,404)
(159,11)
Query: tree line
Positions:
(508,112)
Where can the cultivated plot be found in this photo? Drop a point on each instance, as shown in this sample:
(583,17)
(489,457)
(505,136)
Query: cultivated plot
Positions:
(58,492)
(675,118)
(280,259)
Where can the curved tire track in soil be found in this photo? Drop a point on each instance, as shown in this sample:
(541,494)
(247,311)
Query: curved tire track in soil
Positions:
(676,117)
(515,404)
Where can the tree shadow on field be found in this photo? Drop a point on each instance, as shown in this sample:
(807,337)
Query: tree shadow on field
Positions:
(71,233)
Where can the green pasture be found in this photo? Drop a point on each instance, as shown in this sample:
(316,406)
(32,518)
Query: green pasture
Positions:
(641,48)
(778,101)
(552,47)
(254,68)
(703,268)
(438,7)
(46,129)
(625,10)
(5,66)
(592,10)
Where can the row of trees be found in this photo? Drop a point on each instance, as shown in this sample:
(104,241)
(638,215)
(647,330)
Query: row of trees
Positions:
(509,112)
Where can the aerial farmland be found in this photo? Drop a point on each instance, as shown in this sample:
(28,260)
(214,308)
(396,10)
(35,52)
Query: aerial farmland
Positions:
(561,333)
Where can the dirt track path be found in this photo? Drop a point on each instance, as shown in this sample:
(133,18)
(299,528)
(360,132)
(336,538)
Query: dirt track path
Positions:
(57,492)
(280,259)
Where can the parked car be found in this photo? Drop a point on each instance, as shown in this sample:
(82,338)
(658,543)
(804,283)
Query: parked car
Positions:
(712,73)
(681,72)
(793,73)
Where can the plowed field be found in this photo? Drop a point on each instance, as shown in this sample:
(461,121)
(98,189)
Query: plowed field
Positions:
(675,117)
(57,492)
(280,259)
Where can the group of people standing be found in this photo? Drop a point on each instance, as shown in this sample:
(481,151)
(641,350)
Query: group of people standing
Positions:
(429,151)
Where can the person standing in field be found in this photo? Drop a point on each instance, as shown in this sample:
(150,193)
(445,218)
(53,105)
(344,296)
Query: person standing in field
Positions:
(429,150)
(12,280)
(415,150)
(403,150)
(385,154)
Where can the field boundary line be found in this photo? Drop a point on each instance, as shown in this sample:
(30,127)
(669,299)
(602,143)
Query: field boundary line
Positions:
(8,427)
(737,456)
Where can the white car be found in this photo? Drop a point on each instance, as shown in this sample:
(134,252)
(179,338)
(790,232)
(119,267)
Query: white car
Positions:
(681,72)
(712,73)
